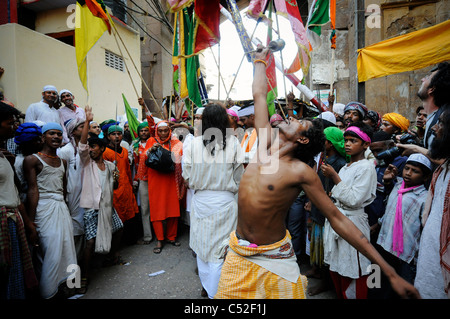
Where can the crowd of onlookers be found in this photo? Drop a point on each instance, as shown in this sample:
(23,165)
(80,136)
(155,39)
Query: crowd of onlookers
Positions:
(72,188)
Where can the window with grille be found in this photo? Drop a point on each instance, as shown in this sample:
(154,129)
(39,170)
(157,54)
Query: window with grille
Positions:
(113,60)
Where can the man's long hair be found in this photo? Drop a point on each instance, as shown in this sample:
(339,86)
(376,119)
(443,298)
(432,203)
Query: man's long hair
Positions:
(441,84)
(306,152)
(215,122)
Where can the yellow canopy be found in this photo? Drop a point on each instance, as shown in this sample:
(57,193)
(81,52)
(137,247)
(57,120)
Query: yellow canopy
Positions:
(407,52)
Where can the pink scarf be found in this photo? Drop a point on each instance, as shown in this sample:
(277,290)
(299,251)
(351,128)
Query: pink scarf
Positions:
(397,240)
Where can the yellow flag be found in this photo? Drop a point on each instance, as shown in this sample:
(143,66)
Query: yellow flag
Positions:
(408,52)
(88,29)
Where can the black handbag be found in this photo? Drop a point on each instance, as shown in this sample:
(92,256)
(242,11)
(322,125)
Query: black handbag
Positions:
(160,160)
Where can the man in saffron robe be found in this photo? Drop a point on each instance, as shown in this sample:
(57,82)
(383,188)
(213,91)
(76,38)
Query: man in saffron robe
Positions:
(124,200)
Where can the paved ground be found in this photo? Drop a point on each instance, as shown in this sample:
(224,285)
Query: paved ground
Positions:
(178,281)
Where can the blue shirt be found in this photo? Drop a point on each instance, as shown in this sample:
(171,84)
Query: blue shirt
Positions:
(413,203)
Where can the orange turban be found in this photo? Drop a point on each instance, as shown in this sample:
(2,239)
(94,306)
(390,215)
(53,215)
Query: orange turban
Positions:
(397,120)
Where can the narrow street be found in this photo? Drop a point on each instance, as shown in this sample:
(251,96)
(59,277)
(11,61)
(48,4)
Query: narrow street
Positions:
(178,281)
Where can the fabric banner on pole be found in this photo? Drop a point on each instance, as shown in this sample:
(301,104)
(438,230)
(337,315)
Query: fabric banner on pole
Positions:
(333,23)
(207,21)
(91,21)
(237,21)
(289,9)
(319,15)
(272,90)
(177,5)
(187,62)
(256,9)
(408,52)
(133,122)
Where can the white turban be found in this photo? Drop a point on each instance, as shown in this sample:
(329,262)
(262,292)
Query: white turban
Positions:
(246,111)
(328,116)
(49,88)
(199,111)
(235,108)
(65,91)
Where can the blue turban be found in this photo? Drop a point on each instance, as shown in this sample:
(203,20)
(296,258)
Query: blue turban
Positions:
(51,126)
(27,132)
(106,126)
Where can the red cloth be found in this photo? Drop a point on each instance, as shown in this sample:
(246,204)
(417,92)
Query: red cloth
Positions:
(165,190)
(171,229)
(207,13)
(140,154)
(341,284)
(124,201)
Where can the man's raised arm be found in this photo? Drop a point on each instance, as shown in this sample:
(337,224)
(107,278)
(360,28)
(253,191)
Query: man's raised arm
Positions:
(259,90)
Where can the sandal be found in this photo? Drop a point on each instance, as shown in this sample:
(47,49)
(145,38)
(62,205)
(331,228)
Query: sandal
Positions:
(174,243)
(157,250)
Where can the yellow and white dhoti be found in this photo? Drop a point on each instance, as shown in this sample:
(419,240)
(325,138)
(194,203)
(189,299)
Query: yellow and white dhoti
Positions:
(262,272)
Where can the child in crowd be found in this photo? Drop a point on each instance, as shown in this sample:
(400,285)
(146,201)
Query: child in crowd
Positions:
(401,224)
(355,188)
(334,156)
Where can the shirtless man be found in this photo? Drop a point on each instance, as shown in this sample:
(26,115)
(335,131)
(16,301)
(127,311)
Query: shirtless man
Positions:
(265,197)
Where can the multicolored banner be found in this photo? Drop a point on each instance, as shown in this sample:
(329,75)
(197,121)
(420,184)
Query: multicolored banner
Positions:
(237,21)
(182,55)
(177,5)
(91,21)
(289,9)
(319,15)
(272,90)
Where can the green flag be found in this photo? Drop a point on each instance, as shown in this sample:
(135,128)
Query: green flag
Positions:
(133,122)
(319,15)
(192,64)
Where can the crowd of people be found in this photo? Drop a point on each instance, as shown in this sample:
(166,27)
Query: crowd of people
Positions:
(344,191)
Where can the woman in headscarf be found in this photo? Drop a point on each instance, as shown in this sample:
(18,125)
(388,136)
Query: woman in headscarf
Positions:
(165,190)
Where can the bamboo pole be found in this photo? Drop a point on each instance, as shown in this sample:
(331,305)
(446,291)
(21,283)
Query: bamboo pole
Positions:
(132,61)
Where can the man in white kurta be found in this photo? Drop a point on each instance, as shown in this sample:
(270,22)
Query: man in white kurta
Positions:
(70,154)
(44,110)
(215,180)
(429,279)
(356,190)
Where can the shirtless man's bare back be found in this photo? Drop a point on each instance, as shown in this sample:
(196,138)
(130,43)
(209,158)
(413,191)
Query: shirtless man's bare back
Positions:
(265,195)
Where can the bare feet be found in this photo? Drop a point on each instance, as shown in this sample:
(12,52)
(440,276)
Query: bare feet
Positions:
(319,288)
(313,273)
